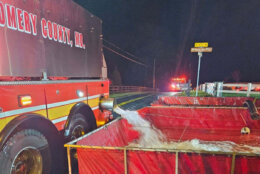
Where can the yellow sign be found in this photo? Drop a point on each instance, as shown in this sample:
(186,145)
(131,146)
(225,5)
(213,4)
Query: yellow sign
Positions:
(208,50)
(201,44)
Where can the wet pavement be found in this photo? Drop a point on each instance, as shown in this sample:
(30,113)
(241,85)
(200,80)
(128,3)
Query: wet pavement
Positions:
(135,102)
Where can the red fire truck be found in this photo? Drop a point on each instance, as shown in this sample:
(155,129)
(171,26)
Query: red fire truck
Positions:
(179,84)
(52,81)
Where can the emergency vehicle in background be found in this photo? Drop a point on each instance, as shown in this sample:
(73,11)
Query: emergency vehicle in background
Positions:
(179,84)
(52,82)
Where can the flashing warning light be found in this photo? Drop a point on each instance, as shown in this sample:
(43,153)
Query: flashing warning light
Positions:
(179,80)
(24,100)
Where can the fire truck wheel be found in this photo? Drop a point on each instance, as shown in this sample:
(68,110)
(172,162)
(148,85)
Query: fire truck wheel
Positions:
(79,126)
(26,152)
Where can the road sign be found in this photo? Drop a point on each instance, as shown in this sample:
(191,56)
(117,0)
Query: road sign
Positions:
(208,50)
(201,44)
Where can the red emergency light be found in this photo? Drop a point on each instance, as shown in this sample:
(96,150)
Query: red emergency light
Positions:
(179,80)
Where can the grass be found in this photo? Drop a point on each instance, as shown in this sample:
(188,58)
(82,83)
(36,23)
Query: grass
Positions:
(193,94)
(204,94)
(240,95)
(118,95)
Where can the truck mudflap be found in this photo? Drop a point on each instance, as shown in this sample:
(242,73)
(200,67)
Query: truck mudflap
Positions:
(109,150)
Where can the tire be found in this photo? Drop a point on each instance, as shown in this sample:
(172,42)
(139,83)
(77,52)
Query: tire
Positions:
(26,152)
(80,125)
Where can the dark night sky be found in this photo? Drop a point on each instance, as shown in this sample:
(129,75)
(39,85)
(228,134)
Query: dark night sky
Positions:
(167,29)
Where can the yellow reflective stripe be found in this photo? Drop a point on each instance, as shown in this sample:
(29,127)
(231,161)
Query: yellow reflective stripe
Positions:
(5,121)
(61,111)
(57,112)
(41,112)
(93,102)
(40,107)
(53,113)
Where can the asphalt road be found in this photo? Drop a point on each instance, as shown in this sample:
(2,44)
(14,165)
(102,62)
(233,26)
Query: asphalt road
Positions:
(135,102)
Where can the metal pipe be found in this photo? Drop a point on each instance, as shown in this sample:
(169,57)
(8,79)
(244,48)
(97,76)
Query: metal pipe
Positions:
(107,103)
(69,160)
(176,162)
(125,160)
(160,150)
(198,107)
(233,163)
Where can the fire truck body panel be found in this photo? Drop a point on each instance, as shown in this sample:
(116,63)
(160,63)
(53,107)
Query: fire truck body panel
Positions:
(63,39)
(51,99)
(52,87)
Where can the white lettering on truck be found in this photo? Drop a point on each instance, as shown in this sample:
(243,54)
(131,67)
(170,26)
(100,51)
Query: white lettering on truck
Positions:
(23,21)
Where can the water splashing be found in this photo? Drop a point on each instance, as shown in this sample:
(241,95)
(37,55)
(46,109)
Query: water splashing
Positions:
(151,137)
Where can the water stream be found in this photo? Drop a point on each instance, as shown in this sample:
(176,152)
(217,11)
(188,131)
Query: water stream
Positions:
(151,137)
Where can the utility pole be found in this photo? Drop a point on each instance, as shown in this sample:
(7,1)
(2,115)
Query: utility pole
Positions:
(153,73)
(198,74)
(200,47)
